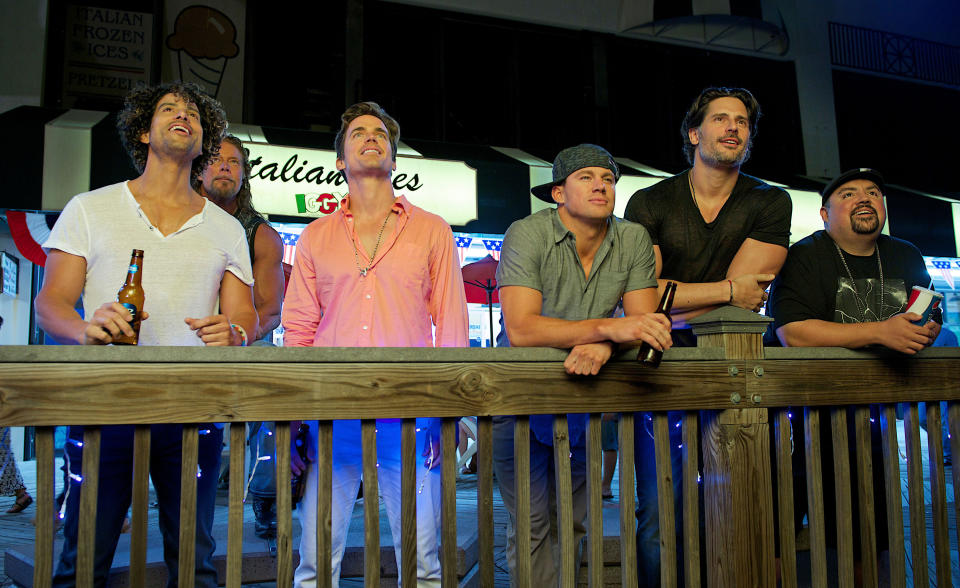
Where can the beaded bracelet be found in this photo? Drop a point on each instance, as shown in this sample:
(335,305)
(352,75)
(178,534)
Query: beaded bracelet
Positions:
(243,333)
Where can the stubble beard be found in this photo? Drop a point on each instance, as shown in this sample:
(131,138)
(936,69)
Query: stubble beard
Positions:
(719,156)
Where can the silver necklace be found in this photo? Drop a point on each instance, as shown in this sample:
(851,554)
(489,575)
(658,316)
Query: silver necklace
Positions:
(373,256)
(856,295)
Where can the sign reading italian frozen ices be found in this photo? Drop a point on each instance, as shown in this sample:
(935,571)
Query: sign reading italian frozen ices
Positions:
(295,181)
(107,52)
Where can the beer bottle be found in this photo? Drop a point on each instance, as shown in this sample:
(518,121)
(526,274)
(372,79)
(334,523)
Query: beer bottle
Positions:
(648,355)
(131,297)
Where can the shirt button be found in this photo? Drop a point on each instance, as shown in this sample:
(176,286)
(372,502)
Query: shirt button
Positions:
(364,327)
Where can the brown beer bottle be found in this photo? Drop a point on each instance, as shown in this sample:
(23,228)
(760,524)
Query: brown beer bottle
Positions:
(131,297)
(648,355)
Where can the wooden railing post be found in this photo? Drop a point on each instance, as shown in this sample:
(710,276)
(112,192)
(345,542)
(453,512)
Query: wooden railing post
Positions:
(738,491)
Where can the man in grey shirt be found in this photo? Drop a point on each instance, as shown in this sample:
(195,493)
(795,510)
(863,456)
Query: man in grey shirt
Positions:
(563,271)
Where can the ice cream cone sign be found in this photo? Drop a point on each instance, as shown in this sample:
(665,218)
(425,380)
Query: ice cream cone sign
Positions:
(204,39)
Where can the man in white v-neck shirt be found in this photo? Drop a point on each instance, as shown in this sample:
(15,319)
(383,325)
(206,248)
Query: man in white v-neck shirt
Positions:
(194,255)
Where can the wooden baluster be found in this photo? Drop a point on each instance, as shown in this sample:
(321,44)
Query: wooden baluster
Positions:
(138,515)
(918,519)
(485,498)
(953,422)
(371,505)
(564,498)
(891,483)
(43,539)
(190,440)
(868,524)
(665,500)
(408,502)
(448,504)
(628,503)
(691,499)
(594,501)
(844,508)
(88,506)
(324,465)
(521,465)
(788,533)
(938,495)
(238,482)
(818,535)
(282,440)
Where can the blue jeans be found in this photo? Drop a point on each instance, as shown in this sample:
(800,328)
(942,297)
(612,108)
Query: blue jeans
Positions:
(648,511)
(262,442)
(114,496)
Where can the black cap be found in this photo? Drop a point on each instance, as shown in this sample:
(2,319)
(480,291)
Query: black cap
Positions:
(864,173)
(570,160)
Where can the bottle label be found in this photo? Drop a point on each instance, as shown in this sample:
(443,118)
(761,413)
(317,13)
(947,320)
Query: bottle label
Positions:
(134,268)
(132,308)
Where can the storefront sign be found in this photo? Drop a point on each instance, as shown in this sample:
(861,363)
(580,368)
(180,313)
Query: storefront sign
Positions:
(107,52)
(294,181)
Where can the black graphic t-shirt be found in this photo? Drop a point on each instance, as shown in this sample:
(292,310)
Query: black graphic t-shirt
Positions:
(814,284)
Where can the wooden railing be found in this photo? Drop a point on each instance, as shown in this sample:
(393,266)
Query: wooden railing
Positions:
(735,386)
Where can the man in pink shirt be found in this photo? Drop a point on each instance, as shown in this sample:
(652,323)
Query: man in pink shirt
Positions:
(378,272)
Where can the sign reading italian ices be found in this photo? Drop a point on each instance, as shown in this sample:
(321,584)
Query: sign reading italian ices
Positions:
(107,52)
(294,181)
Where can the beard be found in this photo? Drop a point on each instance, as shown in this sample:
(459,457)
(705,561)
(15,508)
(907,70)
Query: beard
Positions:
(865,225)
(222,191)
(716,155)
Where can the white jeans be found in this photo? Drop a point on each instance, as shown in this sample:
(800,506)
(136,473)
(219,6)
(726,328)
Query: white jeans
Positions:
(347,473)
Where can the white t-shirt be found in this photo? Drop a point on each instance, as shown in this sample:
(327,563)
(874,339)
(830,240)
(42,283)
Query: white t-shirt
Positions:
(181,271)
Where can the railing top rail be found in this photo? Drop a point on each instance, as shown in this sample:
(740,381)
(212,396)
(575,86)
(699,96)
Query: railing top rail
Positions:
(373,355)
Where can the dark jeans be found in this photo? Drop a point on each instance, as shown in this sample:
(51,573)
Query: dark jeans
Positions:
(114,496)
(648,511)
(263,443)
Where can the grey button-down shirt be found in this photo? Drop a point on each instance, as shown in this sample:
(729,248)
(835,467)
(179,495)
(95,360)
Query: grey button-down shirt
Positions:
(539,252)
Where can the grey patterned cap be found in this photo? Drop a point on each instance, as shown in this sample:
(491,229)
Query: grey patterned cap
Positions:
(570,160)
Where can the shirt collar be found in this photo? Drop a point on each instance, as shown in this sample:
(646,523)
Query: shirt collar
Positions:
(560,231)
(401,206)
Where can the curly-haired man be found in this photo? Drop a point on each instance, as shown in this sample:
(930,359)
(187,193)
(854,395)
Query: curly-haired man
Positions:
(167,130)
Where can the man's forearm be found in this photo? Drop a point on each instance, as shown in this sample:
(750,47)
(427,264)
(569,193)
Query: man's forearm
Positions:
(268,323)
(694,296)
(818,333)
(61,322)
(543,331)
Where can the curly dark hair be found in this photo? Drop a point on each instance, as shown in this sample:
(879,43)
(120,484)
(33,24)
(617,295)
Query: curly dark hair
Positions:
(698,110)
(139,107)
(373,109)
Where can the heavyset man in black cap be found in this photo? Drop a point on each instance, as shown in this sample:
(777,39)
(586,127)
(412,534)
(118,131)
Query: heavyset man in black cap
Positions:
(848,285)
(563,271)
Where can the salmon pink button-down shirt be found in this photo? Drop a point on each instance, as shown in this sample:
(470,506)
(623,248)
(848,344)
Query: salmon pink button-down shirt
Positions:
(413,283)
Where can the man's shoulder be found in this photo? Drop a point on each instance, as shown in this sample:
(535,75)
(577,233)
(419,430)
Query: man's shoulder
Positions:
(628,230)
(895,243)
(423,215)
(748,183)
(538,222)
(665,188)
(104,195)
(814,240)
